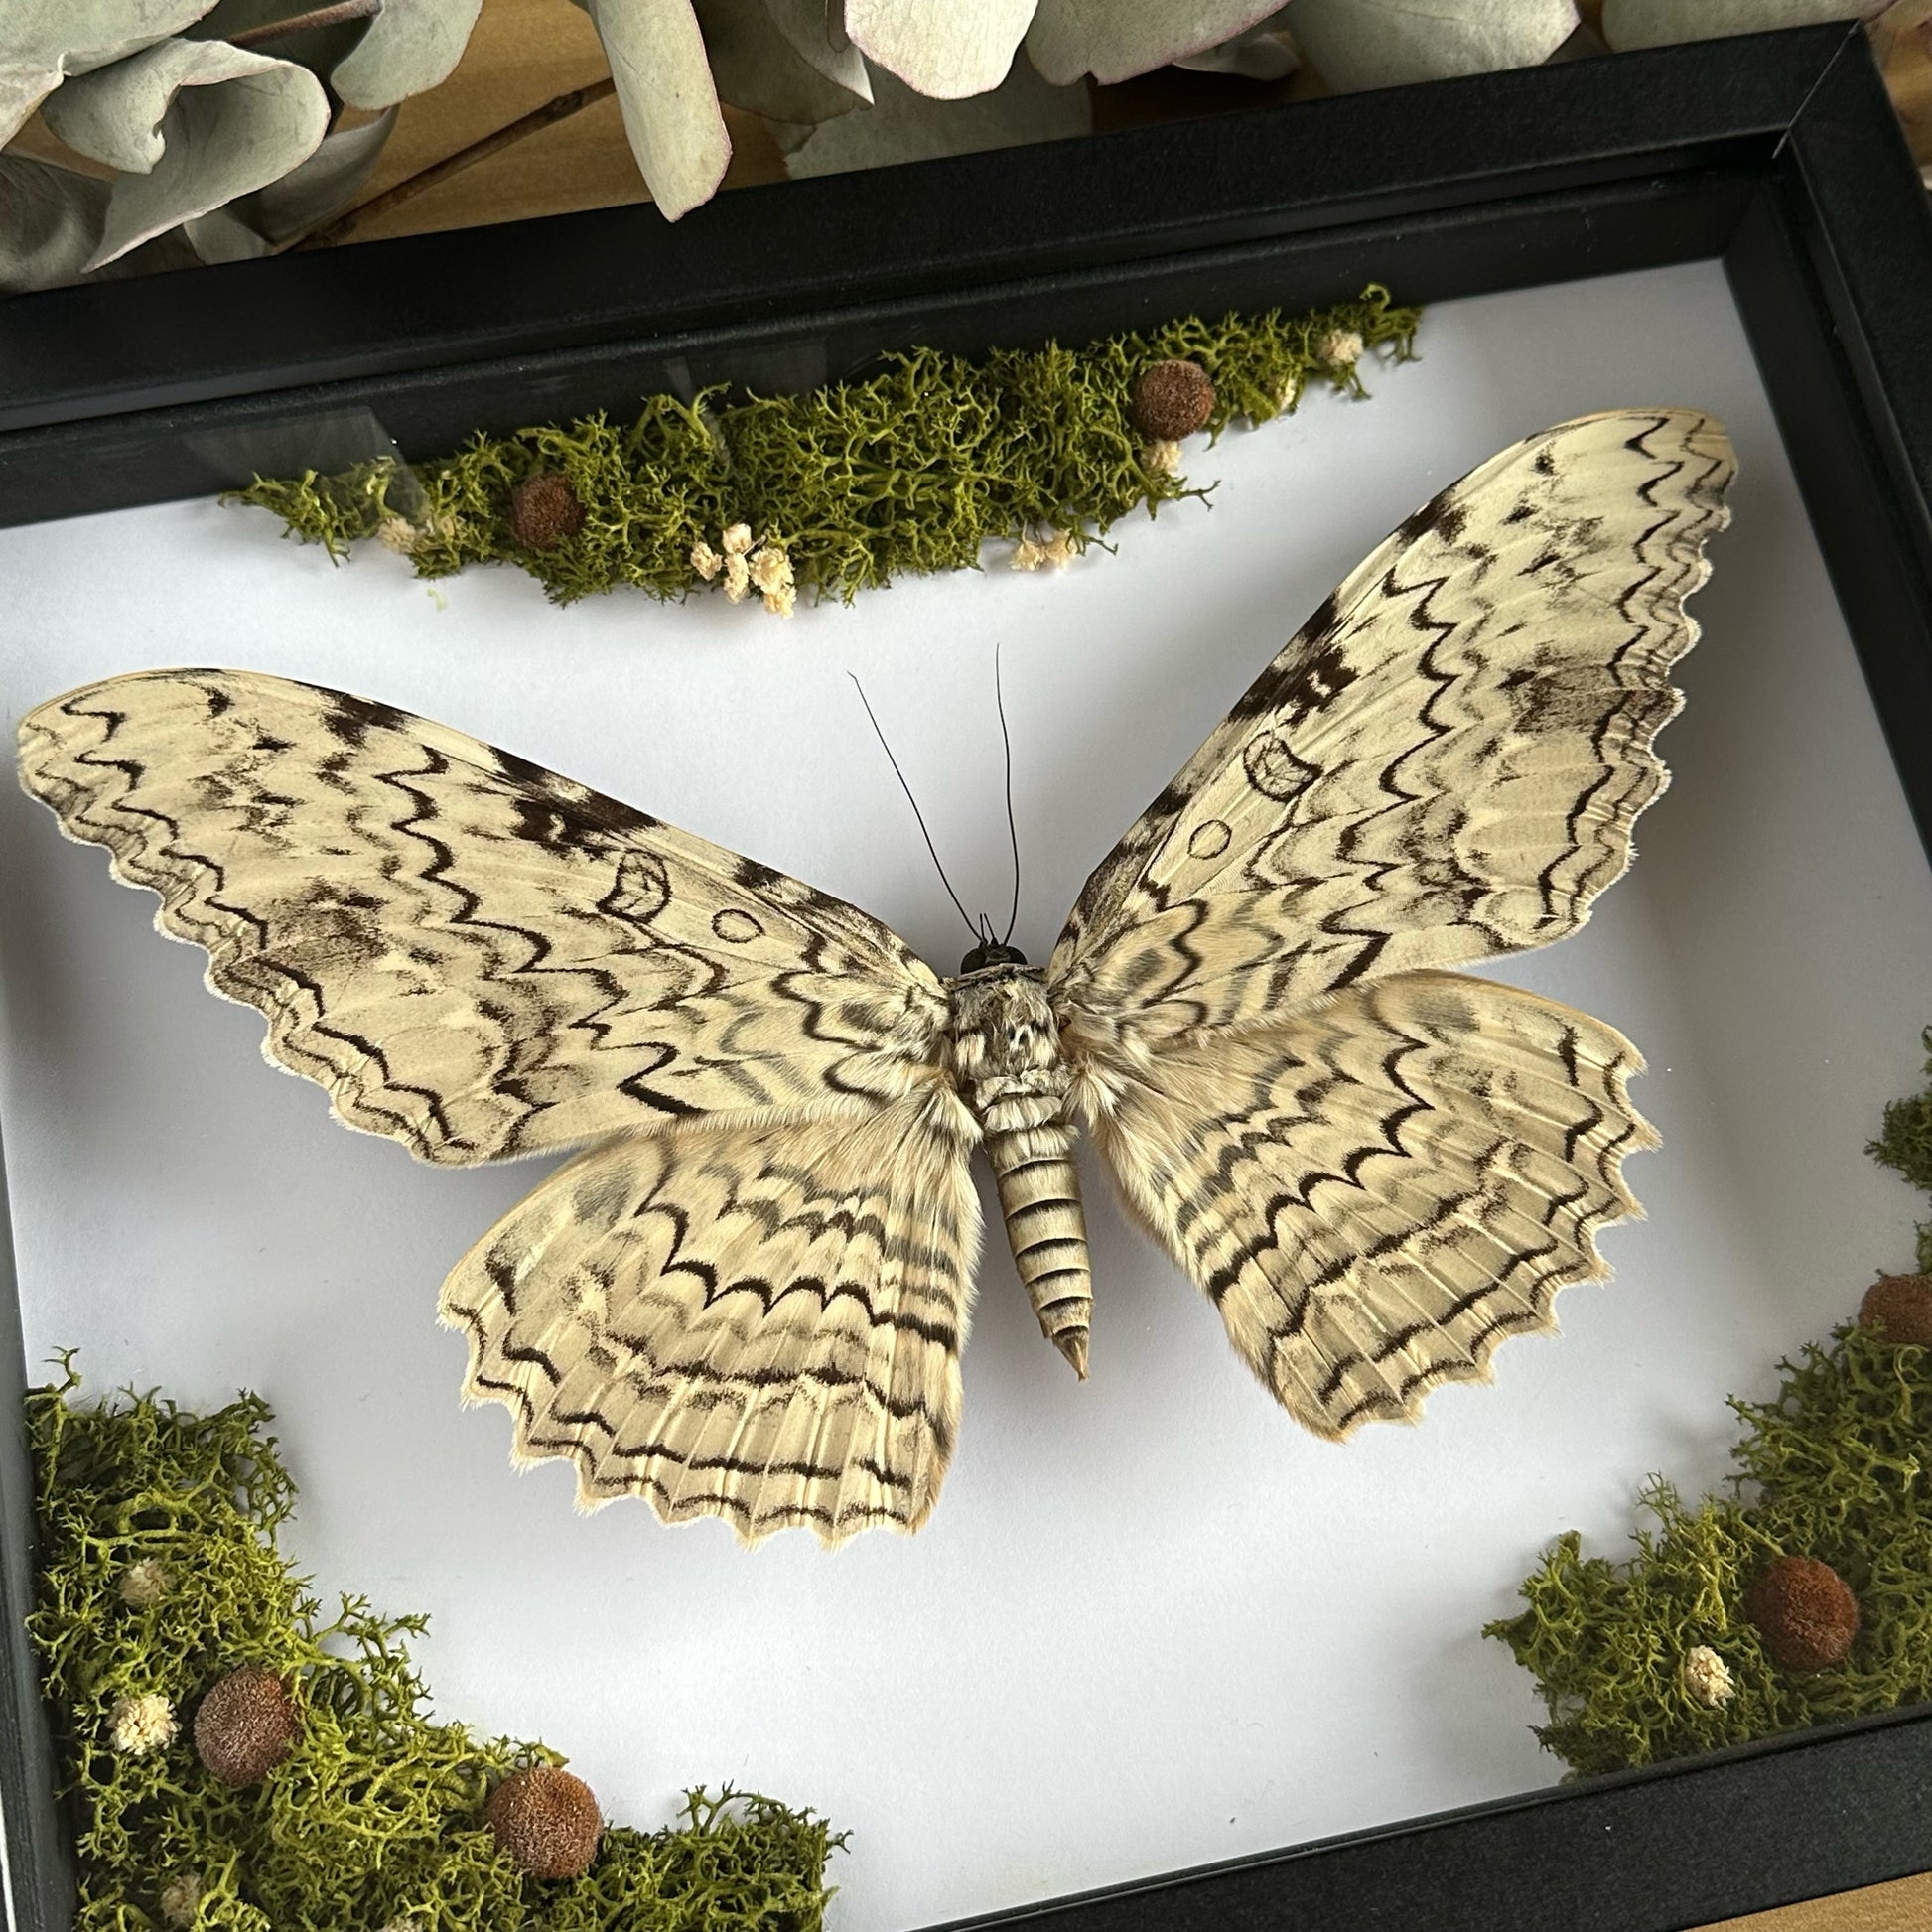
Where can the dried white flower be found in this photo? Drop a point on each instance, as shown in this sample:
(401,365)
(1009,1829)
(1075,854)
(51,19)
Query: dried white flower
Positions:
(137,1725)
(406,538)
(1052,552)
(180,1898)
(144,1584)
(1340,349)
(766,568)
(1706,1676)
(770,569)
(1162,458)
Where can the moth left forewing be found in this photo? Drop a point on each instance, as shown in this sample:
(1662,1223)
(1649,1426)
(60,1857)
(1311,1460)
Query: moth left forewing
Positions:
(475,956)
(759,1320)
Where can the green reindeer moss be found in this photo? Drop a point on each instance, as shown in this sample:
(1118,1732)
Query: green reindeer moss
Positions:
(910,471)
(1906,1144)
(1837,1467)
(158,1574)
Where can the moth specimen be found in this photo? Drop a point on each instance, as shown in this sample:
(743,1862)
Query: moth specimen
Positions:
(746,1295)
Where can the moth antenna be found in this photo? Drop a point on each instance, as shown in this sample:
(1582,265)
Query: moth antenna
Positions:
(914,802)
(1013,830)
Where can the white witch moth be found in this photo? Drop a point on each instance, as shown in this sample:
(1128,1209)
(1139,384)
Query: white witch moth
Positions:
(747,1294)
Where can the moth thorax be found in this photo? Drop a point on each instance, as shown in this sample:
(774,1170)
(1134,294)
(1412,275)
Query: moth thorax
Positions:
(1002,1025)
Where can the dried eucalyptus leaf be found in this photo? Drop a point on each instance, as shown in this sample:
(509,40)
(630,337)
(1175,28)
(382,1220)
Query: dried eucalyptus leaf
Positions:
(816,32)
(1263,53)
(755,67)
(1114,40)
(902,125)
(223,237)
(319,48)
(321,187)
(22,88)
(218,142)
(410,46)
(670,106)
(43,41)
(1660,23)
(114,114)
(943,51)
(50,220)
(1356,44)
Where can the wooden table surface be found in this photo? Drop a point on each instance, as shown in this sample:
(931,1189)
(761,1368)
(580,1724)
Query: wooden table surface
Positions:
(1902,1907)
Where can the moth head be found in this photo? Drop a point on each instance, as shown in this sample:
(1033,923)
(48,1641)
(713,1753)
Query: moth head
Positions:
(990,953)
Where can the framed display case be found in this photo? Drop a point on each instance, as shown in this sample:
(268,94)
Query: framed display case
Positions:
(1275,1706)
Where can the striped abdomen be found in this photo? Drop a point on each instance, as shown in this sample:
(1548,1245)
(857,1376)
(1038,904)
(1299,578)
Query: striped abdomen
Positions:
(1039,1195)
(1006,1060)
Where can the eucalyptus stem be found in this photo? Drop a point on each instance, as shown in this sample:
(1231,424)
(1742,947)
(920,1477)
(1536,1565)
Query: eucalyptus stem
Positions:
(559,108)
(330,15)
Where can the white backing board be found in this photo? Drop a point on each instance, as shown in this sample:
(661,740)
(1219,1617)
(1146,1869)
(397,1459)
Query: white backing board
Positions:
(1151,1623)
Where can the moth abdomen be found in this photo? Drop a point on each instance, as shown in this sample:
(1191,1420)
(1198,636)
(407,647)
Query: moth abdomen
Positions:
(1006,1059)
(1046,1229)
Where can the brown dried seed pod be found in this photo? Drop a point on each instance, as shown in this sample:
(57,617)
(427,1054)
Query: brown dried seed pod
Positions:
(545,510)
(246,1726)
(546,1820)
(1899,1306)
(1805,1613)
(1171,400)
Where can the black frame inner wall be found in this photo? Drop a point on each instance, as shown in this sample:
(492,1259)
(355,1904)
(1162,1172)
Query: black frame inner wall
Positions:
(1778,155)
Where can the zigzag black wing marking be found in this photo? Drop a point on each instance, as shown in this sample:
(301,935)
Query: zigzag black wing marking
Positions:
(1377,1191)
(472,955)
(1446,763)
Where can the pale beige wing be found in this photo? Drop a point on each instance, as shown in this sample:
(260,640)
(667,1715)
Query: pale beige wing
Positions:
(472,955)
(1443,765)
(756,1322)
(1379,1189)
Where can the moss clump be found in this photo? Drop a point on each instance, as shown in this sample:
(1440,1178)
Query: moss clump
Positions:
(1833,1472)
(1906,1145)
(1836,1469)
(910,471)
(375,1817)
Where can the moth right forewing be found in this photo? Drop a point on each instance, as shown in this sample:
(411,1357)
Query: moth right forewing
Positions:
(1445,762)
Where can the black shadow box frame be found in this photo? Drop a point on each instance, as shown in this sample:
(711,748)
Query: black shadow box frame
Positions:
(1776,154)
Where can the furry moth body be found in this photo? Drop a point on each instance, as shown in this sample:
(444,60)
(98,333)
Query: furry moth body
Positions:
(1006,1060)
(746,1293)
